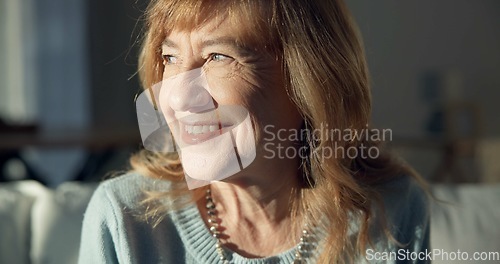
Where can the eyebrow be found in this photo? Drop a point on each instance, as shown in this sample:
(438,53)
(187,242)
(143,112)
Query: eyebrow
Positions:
(220,41)
(209,42)
(169,43)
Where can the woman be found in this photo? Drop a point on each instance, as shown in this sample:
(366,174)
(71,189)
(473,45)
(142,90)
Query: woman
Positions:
(268,103)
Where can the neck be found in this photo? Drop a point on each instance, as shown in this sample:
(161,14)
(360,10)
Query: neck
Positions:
(255,213)
(249,201)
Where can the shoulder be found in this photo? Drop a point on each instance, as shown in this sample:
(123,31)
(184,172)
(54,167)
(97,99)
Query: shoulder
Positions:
(123,197)
(130,189)
(115,229)
(406,208)
(131,182)
(403,192)
(118,203)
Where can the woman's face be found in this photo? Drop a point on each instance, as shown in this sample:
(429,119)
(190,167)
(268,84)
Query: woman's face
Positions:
(218,95)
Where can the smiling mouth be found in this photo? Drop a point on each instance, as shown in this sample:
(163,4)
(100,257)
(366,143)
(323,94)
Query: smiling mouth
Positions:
(200,129)
(195,134)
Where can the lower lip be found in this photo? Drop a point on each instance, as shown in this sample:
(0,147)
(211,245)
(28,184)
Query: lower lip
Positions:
(192,139)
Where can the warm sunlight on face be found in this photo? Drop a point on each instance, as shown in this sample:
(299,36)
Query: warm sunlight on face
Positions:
(212,82)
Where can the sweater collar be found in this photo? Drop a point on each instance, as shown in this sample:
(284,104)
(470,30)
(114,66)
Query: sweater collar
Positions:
(200,244)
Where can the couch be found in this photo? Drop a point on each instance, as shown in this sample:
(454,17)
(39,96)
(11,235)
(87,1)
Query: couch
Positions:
(42,226)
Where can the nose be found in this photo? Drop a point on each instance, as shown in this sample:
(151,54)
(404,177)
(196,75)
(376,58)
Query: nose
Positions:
(189,92)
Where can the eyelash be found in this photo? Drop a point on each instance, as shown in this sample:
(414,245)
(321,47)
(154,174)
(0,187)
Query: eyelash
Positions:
(166,58)
(211,57)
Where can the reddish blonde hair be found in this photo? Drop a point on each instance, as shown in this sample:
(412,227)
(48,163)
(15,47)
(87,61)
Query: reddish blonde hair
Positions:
(326,77)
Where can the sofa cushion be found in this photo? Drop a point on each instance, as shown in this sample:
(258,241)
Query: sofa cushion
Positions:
(57,221)
(16,199)
(466,220)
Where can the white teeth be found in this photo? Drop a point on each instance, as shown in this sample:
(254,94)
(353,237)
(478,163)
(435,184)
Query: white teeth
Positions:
(196,130)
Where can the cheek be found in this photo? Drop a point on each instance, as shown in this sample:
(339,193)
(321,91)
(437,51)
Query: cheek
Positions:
(221,70)
(272,106)
(166,111)
(232,88)
(260,89)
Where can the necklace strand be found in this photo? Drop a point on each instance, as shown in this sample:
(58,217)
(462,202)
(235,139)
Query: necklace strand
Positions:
(302,251)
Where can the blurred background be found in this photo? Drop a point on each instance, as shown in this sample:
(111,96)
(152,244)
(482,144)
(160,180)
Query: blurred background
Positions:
(68,83)
(67,87)
(435,69)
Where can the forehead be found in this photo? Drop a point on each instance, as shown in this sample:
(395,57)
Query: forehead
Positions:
(220,29)
(245,22)
(189,14)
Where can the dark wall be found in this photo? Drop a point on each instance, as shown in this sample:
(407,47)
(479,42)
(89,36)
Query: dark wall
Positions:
(114,29)
(405,40)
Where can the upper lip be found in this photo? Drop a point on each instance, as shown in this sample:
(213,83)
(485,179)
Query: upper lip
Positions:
(223,117)
(204,123)
(199,120)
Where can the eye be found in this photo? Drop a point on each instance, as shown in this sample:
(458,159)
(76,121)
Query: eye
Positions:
(169,59)
(217,57)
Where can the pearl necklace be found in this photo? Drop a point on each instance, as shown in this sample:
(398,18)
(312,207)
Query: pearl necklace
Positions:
(302,252)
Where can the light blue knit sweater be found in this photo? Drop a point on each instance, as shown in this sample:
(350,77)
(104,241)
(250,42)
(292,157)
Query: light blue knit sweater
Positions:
(113,231)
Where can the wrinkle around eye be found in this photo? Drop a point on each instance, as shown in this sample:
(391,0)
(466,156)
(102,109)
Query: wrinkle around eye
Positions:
(169,59)
(219,58)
